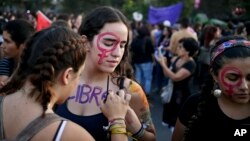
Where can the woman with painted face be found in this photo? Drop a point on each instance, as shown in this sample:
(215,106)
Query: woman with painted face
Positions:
(224,113)
(48,73)
(107,68)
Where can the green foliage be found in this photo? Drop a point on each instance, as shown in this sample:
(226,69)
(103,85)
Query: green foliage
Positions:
(69,6)
(131,6)
(128,8)
(26,4)
(79,6)
(247,7)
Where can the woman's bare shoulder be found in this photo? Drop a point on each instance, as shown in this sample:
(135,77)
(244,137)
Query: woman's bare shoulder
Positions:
(74,132)
(138,98)
(70,132)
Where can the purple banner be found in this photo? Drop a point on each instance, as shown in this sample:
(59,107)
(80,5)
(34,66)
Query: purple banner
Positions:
(171,13)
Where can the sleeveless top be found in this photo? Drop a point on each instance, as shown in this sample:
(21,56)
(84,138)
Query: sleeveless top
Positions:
(93,124)
(35,126)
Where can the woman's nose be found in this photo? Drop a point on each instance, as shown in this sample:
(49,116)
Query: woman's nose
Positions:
(244,85)
(117,51)
(2,45)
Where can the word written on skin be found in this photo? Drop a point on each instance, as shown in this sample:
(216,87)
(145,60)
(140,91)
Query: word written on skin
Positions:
(86,94)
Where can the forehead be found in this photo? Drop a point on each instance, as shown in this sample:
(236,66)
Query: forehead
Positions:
(6,34)
(242,64)
(118,28)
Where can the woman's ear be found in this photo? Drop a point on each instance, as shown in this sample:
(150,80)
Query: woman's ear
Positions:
(21,47)
(66,76)
(86,42)
(84,38)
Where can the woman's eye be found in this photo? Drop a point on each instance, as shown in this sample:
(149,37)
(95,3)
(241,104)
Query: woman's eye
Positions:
(232,77)
(109,44)
(248,78)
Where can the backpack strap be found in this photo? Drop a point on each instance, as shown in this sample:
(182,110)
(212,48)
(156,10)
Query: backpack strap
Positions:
(37,125)
(1,119)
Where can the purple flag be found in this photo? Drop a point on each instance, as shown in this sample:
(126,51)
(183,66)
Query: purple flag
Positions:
(171,13)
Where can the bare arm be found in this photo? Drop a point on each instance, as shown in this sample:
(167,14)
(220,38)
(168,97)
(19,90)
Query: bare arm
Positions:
(74,132)
(179,131)
(140,106)
(3,80)
(173,44)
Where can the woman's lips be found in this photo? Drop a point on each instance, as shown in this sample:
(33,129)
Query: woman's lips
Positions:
(112,63)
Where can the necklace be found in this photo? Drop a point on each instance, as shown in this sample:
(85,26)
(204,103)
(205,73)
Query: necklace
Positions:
(107,89)
(108,84)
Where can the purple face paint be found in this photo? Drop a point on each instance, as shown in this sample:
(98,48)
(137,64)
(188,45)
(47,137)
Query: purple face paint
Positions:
(229,87)
(108,36)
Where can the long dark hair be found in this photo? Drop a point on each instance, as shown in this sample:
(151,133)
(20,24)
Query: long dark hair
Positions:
(95,21)
(47,53)
(210,32)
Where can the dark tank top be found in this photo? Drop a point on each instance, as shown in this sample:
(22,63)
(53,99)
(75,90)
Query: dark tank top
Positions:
(93,124)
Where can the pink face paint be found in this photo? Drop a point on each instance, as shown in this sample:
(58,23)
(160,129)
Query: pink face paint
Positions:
(230,86)
(104,50)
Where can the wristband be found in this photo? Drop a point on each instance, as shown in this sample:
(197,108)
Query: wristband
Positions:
(113,122)
(117,121)
(116,126)
(120,130)
(139,134)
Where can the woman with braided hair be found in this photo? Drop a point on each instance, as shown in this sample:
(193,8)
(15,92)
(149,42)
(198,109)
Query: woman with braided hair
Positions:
(48,72)
(223,105)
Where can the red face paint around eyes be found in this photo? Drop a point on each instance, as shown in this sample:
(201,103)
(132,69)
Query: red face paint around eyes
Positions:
(230,87)
(103,50)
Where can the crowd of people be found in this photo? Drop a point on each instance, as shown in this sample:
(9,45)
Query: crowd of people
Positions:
(92,78)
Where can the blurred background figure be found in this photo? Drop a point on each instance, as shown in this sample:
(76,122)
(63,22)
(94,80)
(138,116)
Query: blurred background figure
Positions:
(181,73)
(15,35)
(142,51)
